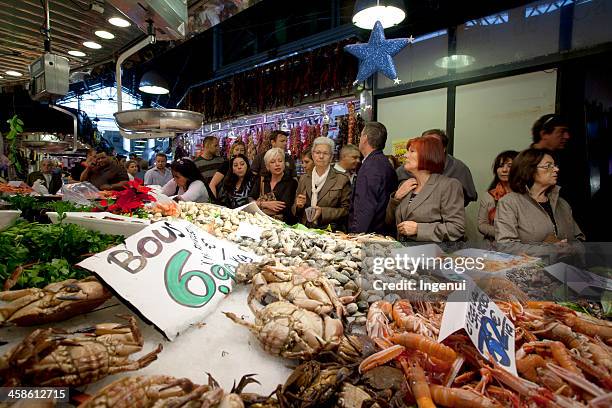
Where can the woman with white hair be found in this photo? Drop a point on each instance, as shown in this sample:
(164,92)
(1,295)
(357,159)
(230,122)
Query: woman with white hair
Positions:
(324,195)
(274,191)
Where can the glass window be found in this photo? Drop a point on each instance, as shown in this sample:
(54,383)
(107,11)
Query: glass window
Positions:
(511,36)
(591,23)
(407,116)
(415,62)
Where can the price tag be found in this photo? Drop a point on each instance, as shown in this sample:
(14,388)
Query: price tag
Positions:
(249,231)
(487,326)
(174,273)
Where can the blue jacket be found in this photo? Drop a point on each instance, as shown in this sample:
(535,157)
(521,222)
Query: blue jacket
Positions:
(375,182)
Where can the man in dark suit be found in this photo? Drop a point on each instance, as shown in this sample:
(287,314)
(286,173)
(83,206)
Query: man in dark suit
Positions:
(52,181)
(375,182)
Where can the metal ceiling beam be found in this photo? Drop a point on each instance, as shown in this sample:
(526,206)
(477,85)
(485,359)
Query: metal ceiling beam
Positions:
(34,34)
(67,27)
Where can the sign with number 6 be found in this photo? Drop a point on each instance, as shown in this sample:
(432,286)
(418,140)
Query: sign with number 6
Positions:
(173,272)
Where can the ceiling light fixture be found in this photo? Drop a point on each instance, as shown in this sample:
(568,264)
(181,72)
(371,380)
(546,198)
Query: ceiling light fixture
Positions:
(119,22)
(153,83)
(105,34)
(91,44)
(388,12)
(455,61)
(14,73)
(76,53)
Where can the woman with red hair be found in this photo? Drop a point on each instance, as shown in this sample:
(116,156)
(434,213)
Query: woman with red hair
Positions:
(429,206)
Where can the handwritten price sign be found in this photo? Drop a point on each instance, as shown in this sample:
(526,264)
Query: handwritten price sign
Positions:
(172,272)
(488,327)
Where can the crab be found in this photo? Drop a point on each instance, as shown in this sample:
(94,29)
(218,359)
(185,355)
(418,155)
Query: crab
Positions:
(165,391)
(53,303)
(312,384)
(292,332)
(49,357)
(139,391)
(304,286)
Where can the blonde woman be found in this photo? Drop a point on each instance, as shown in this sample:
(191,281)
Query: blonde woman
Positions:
(275,191)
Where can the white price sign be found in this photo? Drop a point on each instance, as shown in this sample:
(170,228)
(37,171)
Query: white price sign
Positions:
(487,326)
(174,273)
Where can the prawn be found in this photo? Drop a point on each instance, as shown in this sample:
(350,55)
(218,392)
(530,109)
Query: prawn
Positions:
(460,398)
(377,323)
(418,383)
(427,346)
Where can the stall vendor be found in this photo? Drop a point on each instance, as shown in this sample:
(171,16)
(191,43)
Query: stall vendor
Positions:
(105,174)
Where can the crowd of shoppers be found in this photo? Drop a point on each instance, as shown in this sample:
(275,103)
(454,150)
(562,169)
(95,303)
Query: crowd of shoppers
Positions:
(364,191)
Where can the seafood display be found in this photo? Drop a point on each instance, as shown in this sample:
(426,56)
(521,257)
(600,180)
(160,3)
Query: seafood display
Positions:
(313,301)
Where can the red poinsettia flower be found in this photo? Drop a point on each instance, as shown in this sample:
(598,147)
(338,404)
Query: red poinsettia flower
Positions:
(132,197)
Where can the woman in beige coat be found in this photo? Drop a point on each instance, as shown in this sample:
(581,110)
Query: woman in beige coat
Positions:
(324,192)
(428,207)
(533,213)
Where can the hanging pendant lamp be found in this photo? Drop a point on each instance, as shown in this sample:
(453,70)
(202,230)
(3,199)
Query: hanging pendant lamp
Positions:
(388,12)
(153,83)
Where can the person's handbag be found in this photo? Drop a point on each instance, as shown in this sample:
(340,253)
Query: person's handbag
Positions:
(267,197)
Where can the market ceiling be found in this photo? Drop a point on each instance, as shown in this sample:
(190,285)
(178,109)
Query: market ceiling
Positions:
(73,22)
(266,26)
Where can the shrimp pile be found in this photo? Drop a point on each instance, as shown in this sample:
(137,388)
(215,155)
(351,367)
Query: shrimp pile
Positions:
(564,358)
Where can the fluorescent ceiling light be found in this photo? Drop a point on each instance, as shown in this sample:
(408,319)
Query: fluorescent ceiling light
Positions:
(14,73)
(105,34)
(119,22)
(76,53)
(91,44)
(368,12)
(455,61)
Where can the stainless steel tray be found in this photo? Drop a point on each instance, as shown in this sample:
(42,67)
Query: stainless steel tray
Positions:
(43,142)
(155,120)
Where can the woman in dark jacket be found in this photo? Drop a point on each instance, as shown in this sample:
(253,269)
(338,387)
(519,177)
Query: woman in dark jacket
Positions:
(274,192)
(237,183)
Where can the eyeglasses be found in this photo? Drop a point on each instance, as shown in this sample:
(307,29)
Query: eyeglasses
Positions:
(548,166)
(318,153)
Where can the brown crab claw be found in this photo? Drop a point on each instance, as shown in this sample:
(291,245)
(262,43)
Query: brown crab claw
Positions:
(244,381)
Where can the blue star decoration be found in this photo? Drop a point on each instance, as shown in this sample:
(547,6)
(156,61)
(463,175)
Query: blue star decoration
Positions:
(377,54)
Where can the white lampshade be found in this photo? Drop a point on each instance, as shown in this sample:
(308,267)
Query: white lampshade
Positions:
(388,12)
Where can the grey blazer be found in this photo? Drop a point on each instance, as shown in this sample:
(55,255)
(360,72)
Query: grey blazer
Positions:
(487,202)
(522,225)
(437,209)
